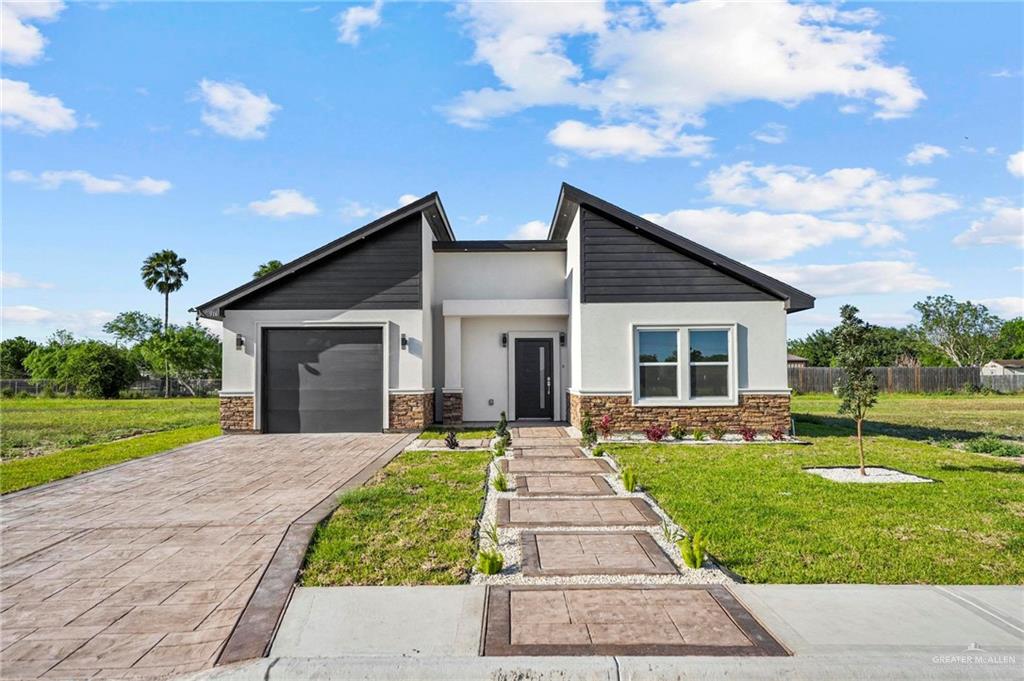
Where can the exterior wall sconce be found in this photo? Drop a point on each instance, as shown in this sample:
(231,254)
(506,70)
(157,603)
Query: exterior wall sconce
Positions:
(239,342)
(561,339)
(504,340)
(405,342)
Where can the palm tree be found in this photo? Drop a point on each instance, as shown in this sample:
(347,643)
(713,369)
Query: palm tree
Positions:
(165,272)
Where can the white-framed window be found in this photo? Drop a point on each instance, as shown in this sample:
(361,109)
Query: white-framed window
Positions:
(684,364)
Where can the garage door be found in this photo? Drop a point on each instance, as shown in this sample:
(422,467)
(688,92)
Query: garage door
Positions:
(323,380)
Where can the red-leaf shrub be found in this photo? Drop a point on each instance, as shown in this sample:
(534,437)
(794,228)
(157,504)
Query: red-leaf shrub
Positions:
(748,434)
(605,425)
(778,433)
(655,433)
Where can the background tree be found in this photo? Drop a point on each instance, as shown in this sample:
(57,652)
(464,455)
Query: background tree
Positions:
(165,272)
(190,352)
(46,362)
(267,268)
(857,388)
(98,369)
(133,327)
(818,348)
(1010,343)
(965,332)
(13,352)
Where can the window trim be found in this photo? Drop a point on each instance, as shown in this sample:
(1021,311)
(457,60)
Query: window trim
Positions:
(683,397)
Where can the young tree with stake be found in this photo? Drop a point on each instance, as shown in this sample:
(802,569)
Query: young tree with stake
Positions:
(858,388)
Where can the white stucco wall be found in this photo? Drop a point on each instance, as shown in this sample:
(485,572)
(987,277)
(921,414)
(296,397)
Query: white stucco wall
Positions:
(425,339)
(492,276)
(606,362)
(485,366)
(405,367)
(573,287)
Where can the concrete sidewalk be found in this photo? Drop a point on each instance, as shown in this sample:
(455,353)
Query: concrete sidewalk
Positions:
(835,632)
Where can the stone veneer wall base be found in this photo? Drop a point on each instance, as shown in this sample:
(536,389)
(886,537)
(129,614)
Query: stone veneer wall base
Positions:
(237,414)
(452,409)
(761,411)
(410,411)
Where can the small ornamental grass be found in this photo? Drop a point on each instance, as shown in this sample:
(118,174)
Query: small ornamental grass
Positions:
(717,432)
(630,479)
(588,435)
(698,434)
(692,549)
(678,433)
(490,561)
(451,440)
(500,482)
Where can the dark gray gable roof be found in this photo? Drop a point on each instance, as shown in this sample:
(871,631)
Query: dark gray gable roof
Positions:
(429,205)
(570,198)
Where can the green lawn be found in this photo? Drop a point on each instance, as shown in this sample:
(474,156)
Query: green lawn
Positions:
(926,417)
(33,426)
(440,432)
(27,472)
(411,524)
(771,522)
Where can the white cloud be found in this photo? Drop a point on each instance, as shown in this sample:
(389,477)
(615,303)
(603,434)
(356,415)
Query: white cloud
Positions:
(353,210)
(1007,307)
(924,154)
(770,133)
(882,235)
(1015,164)
(481,219)
(534,229)
(845,192)
(1004,225)
(756,235)
(90,184)
(15,280)
(631,140)
(233,110)
(284,203)
(661,66)
(560,160)
(879,276)
(21,43)
(355,19)
(406,199)
(1004,73)
(79,321)
(28,111)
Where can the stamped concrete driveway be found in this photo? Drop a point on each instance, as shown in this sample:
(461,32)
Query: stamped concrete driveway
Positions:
(143,569)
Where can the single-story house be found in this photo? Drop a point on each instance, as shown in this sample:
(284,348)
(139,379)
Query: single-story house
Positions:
(1003,367)
(796,360)
(398,325)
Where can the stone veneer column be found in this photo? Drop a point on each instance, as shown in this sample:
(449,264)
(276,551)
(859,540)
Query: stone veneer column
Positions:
(410,411)
(237,413)
(761,411)
(452,408)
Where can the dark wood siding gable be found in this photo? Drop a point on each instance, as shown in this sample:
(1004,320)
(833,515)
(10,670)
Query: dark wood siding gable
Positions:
(383,271)
(622,266)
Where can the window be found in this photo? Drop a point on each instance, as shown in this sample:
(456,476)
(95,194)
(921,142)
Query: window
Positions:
(709,375)
(658,364)
(709,363)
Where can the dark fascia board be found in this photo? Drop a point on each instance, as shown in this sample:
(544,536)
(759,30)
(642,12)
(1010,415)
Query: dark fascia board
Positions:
(570,198)
(429,204)
(498,246)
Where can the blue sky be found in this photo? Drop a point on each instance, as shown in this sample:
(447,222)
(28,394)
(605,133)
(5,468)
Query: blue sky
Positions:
(876,158)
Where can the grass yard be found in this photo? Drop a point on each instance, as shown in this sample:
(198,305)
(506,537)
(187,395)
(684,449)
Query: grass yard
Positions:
(440,432)
(925,417)
(411,524)
(33,426)
(27,472)
(771,522)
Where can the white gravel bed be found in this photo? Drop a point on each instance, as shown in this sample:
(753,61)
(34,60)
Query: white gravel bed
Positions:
(511,544)
(875,474)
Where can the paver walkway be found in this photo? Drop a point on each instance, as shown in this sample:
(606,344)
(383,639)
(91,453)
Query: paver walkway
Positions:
(143,569)
(558,487)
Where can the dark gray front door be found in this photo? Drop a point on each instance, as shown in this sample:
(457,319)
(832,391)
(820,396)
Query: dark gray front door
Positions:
(323,380)
(534,398)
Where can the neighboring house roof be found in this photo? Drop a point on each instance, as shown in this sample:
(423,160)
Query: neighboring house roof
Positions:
(790,357)
(429,205)
(570,199)
(1009,363)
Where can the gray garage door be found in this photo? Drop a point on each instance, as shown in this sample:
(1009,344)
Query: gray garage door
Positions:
(323,380)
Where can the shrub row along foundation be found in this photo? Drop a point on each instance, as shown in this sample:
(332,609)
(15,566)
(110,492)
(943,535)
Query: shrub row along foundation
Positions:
(763,412)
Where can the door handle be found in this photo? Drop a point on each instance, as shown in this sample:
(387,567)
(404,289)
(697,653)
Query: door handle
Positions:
(548,381)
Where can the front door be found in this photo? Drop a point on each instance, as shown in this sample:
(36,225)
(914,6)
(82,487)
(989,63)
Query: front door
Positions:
(534,371)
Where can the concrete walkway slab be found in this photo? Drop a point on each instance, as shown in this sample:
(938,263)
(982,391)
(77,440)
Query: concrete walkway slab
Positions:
(381,620)
(567,451)
(601,512)
(553,554)
(562,486)
(548,466)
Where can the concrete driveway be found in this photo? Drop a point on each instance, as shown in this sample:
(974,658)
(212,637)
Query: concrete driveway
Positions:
(144,569)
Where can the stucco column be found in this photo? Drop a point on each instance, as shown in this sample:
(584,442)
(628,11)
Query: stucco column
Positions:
(453,353)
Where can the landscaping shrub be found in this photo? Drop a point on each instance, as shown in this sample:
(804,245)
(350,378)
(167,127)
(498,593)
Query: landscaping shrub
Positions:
(778,433)
(678,433)
(655,433)
(692,549)
(499,449)
(605,425)
(717,432)
(7,392)
(490,531)
(599,451)
(748,434)
(451,440)
(506,440)
(99,370)
(490,561)
(502,428)
(500,482)
(588,435)
(629,479)
(671,534)
(698,434)
(994,446)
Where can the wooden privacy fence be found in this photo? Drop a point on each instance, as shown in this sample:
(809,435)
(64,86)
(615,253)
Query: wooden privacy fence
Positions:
(906,379)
